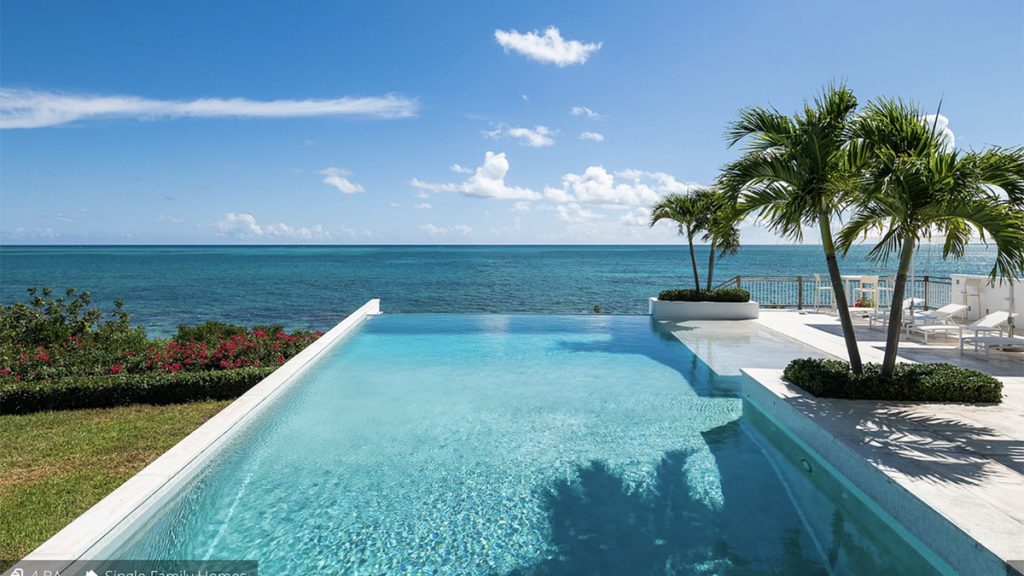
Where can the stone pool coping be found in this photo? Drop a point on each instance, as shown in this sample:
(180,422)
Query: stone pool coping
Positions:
(104,526)
(957,495)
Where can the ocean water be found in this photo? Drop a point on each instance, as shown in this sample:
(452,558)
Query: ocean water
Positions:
(519,444)
(315,287)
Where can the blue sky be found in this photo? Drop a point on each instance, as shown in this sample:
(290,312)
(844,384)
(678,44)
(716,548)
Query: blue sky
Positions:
(429,122)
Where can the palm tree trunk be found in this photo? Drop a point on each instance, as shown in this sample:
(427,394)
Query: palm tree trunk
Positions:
(711,264)
(693,261)
(892,337)
(839,293)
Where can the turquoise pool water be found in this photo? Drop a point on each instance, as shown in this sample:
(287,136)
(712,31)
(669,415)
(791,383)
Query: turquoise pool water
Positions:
(488,444)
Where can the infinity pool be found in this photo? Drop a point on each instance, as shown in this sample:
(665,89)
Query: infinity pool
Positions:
(486,444)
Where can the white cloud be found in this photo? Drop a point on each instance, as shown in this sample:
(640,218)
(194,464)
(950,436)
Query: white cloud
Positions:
(170,219)
(423,195)
(592,136)
(424,206)
(458,229)
(573,213)
(242,225)
(549,47)
(488,181)
(525,98)
(34,109)
(557,194)
(72,216)
(583,111)
(394,204)
(239,225)
(638,217)
(22,233)
(460,169)
(338,177)
(536,137)
(521,206)
(941,124)
(626,188)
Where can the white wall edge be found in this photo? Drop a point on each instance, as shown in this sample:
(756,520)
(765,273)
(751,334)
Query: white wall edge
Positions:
(104,526)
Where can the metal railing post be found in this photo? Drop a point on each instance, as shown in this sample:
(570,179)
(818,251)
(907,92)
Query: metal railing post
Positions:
(925,292)
(799,292)
(737,281)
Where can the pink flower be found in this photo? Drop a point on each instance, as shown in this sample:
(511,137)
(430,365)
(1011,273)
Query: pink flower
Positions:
(117,368)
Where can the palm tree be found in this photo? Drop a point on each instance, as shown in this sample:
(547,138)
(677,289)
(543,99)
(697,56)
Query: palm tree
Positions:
(913,187)
(686,211)
(795,173)
(721,229)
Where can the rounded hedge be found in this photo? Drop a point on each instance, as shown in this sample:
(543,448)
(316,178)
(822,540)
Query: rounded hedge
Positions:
(716,295)
(911,382)
(126,389)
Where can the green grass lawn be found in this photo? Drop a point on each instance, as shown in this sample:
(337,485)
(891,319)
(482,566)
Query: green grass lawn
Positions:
(55,465)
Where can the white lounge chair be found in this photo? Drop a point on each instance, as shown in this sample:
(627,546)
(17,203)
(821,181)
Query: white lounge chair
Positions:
(942,315)
(994,322)
(988,342)
(938,321)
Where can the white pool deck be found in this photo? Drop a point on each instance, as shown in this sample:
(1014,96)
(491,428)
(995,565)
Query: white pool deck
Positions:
(952,474)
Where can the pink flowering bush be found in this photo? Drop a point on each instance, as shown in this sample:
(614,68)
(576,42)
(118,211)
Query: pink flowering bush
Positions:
(241,349)
(60,337)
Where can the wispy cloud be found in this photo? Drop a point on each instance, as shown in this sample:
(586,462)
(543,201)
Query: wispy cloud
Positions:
(592,136)
(458,229)
(487,181)
(244,226)
(573,213)
(38,109)
(338,177)
(583,111)
(536,137)
(460,169)
(549,47)
(170,219)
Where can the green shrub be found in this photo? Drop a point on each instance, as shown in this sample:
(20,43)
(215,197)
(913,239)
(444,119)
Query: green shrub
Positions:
(56,337)
(124,389)
(911,382)
(210,332)
(716,295)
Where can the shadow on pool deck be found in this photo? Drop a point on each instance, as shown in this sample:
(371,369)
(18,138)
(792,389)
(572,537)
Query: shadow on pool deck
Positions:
(938,448)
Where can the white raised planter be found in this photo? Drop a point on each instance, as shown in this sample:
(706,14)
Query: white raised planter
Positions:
(665,310)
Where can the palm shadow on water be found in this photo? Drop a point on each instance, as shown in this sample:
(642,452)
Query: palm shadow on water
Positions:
(600,525)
